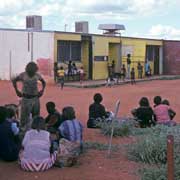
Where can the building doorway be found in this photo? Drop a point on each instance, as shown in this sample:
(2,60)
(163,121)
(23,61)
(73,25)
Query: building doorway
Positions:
(152,55)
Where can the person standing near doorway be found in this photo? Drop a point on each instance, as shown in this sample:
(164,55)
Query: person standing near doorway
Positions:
(30,104)
(128,65)
(140,70)
(113,68)
(70,69)
(147,68)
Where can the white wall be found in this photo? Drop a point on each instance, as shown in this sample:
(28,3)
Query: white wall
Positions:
(16,44)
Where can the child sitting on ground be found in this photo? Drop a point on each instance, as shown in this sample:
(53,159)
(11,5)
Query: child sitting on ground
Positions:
(36,144)
(71,143)
(9,143)
(172,113)
(97,112)
(11,116)
(71,129)
(53,121)
(161,112)
(144,113)
(54,118)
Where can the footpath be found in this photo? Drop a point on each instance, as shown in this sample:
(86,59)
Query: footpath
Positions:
(100,83)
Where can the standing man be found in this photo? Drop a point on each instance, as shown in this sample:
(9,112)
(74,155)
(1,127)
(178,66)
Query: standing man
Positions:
(30,94)
(128,65)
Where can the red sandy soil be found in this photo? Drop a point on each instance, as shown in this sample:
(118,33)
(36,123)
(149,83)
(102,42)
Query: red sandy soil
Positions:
(93,165)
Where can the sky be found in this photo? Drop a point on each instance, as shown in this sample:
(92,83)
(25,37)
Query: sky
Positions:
(141,18)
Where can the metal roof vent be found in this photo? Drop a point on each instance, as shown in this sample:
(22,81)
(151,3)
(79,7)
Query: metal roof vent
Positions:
(111,29)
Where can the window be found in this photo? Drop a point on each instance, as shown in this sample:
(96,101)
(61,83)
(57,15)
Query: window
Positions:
(152,52)
(69,51)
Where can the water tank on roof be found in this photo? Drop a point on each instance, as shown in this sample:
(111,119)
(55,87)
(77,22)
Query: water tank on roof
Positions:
(81,27)
(111,29)
(34,22)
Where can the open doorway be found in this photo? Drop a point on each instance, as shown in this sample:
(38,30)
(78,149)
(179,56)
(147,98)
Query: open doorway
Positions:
(152,55)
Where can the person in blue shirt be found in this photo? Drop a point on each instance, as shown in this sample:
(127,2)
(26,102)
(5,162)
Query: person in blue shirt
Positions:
(9,143)
(147,69)
(71,129)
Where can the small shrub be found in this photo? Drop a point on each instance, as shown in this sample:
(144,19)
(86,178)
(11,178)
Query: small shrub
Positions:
(121,128)
(149,150)
(159,172)
(154,173)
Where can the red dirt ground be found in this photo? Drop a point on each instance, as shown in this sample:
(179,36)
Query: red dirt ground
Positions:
(93,165)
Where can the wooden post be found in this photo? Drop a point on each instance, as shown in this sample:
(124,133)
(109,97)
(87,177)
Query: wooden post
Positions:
(170,157)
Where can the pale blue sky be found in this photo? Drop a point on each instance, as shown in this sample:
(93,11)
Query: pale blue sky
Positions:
(142,18)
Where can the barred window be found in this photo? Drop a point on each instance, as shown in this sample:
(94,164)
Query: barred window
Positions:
(69,51)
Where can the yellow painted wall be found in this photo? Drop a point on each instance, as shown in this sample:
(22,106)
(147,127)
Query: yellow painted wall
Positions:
(100,48)
(139,54)
(100,70)
(67,36)
(103,46)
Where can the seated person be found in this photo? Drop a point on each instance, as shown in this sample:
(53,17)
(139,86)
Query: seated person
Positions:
(71,143)
(15,109)
(144,113)
(71,129)
(161,112)
(9,143)
(36,144)
(54,118)
(11,116)
(97,112)
(172,113)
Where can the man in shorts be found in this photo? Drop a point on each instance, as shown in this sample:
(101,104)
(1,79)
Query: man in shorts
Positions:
(30,104)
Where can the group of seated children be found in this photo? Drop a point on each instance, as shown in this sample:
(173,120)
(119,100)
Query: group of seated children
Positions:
(160,114)
(55,140)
